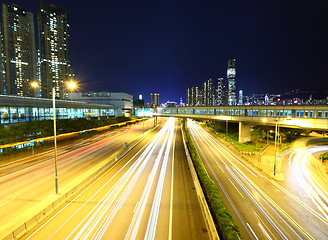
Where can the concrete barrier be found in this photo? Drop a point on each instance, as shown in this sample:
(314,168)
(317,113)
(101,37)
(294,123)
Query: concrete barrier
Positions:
(30,224)
(40,216)
(20,231)
(48,210)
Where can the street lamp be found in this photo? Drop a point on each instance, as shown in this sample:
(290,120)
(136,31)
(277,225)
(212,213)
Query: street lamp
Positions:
(70,85)
(35,85)
(275,148)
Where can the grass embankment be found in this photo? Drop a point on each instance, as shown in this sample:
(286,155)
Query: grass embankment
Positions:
(252,146)
(222,219)
(323,156)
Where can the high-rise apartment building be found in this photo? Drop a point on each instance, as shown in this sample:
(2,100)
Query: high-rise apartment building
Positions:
(192,96)
(55,64)
(195,96)
(219,88)
(189,97)
(18,56)
(207,92)
(154,100)
(231,79)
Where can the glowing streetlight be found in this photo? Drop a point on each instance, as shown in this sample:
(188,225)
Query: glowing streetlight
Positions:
(35,85)
(275,148)
(71,85)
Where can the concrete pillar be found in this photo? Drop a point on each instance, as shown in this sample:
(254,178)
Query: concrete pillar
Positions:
(219,126)
(244,132)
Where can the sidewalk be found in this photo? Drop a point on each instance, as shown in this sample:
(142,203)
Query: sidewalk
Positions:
(265,163)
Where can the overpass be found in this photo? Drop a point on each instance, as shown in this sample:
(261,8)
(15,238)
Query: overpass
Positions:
(314,117)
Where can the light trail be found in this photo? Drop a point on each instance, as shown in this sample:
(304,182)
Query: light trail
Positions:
(305,168)
(97,221)
(275,216)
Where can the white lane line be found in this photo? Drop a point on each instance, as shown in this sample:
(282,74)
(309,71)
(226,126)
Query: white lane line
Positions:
(7,202)
(236,188)
(135,207)
(252,231)
(265,232)
(171,200)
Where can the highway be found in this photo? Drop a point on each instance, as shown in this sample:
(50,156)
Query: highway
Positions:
(148,194)
(27,185)
(261,207)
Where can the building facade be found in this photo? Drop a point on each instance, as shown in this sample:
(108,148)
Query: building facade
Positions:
(16,109)
(155,100)
(231,80)
(207,93)
(18,54)
(219,88)
(54,47)
(122,103)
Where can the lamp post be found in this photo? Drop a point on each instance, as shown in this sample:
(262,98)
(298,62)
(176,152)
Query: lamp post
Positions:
(55,135)
(275,148)
(71,85)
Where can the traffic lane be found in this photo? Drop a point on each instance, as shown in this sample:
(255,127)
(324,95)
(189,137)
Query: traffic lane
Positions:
(120,222)
(288,201)
(260,204)
(72,214)
(21,163)
(188,219)
(28,192)
(236,203)
(70,160)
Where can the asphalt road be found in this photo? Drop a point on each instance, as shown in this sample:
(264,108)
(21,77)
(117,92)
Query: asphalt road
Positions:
(261,207)
(147,194)
(27,185)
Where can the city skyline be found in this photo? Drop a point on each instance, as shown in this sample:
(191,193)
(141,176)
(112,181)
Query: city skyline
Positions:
(166,47)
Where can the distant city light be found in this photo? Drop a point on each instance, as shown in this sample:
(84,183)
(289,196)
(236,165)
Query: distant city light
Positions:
(140,96)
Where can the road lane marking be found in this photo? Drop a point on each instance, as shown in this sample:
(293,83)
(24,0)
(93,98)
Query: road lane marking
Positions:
(135,207)
(7,202)
(252,231)
(171,200)
(265,232)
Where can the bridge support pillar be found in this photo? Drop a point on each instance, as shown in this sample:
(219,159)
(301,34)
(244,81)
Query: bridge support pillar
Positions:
(219,126)
(244,132)
(155,121)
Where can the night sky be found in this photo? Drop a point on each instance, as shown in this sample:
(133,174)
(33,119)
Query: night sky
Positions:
(139,47)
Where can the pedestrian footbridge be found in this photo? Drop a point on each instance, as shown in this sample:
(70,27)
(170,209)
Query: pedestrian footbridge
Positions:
(305,116)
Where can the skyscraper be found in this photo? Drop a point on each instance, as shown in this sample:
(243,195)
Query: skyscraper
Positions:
(18,57)
(207,92)
(154,100)
(240,99)
(219,92)
(189,97)
(231,78)
(55,64)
